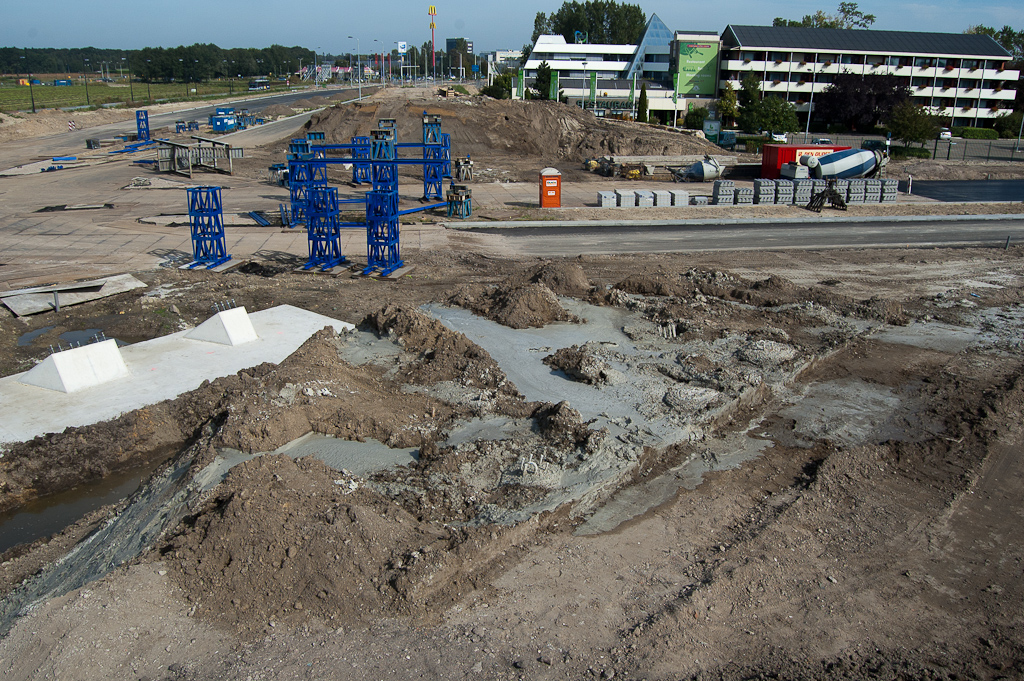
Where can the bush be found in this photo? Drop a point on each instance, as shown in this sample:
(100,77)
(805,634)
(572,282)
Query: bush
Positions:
(694,119)
(752,144)
(909,152)
(1009,125)
(975,133)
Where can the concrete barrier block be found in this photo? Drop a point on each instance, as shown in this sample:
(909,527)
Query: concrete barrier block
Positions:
(78,368)
(230,327)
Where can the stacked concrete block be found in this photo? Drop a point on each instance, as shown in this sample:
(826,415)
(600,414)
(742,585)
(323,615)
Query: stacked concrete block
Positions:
(784,192)
(680,197)
(607,199)
(723,193)
(764,191)
(855,195)
(802,192)
(626,198)
(662,198)
(644,198)
(872,191)
(817,186)
(843,188)
(889,190)
(744,196)
(699,200)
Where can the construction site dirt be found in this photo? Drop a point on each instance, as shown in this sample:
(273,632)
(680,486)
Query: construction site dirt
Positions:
(778,463)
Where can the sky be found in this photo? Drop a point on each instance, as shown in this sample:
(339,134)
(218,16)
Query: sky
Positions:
(325,26)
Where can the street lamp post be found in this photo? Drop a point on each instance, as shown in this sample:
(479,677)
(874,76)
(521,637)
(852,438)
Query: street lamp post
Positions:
(381,61)
(149,79)
(31,94)
(810,102)
(87,102)
(359,66)
(131,90)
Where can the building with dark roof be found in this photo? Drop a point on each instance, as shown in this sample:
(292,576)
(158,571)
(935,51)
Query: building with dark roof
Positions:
(965,78)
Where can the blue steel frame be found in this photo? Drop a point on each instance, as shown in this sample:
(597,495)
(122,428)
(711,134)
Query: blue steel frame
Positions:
(383,244)
(206,220)
(323,229)
(360,160)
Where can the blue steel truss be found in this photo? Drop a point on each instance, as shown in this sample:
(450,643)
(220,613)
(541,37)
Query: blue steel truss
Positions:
(383,169)
(323,229)
(360,160)
(383,248)
(142,125)
(303,175)
(206,220)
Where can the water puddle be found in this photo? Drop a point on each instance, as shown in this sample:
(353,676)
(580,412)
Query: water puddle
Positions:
(51,514)
(25,339)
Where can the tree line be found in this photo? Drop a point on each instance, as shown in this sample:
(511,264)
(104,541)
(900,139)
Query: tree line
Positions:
(190,63)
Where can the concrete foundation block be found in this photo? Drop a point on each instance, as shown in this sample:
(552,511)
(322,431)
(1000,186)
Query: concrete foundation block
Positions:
(230,327)
(78,368)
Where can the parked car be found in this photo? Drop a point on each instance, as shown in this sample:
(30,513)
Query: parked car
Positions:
(821,140)
(945,134)
(873,145)
(779,137)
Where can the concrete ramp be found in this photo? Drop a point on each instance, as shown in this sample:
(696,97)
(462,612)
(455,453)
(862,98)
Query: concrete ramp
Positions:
(230,327)
(78,368)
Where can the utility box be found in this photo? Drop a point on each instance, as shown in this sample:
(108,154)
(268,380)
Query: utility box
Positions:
(550,188)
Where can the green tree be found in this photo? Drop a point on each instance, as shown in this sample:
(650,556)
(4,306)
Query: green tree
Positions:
(500,87)
(542,83)
(1012,41)
(1008,125)
(604,21)
(695,117)
(728,104)
(859,102)
(750,103)
(641,104)
(777,115)
(910,123)
(848,16)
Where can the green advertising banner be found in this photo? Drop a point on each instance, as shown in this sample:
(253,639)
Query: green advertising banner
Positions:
(632,90)
(521,84)
(698,69)
(593,88)
(553,90)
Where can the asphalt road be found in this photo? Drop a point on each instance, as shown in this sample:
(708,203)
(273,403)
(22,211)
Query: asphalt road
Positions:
(17,152)
(968,190)
(565,240)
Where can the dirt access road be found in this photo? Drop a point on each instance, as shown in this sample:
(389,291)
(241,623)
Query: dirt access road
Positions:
(792,464)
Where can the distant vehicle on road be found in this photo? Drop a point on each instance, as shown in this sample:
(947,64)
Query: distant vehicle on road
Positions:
(945,134)
(259,84)
(779,137)
(873,145)
(821,140)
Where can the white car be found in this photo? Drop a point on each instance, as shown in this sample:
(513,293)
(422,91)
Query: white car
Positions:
(945,134)
(779,137)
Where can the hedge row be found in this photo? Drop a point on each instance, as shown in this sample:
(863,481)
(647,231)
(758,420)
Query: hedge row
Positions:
(975,133)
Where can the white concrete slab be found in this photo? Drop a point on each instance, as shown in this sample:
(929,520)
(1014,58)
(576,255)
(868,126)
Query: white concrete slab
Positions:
(228,327)
(40,299)
(159,369)
(78,368)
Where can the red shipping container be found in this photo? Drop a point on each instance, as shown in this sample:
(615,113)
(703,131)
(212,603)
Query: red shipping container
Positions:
(774,156)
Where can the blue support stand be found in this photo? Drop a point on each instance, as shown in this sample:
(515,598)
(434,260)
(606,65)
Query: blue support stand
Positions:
(360,160)
(323,229)
(142,125)
(383,248)
(303,176)
(206,220)
(433,169)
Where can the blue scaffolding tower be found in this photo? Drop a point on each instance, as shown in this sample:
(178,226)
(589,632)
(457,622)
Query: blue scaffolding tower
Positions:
(360,160)
(206,220)
(382,231)
(323,229)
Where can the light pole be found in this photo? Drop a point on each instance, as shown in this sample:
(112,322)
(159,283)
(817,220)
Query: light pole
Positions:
(1019,131)
(131,90)
(87,102)
(149,79)
(381,61)
(359,66)
(810,102)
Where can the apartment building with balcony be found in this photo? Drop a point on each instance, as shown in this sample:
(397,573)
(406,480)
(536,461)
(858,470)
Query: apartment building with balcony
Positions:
(964,78)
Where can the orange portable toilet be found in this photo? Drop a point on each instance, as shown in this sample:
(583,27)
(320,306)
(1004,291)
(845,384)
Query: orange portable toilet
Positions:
(550,188)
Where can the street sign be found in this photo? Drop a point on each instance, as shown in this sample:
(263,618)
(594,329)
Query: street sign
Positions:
(403,48)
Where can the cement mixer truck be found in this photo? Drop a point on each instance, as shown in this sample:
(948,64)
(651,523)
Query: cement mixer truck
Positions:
(846,164)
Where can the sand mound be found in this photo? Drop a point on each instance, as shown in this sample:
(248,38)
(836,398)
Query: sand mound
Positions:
(481,126)
(580,362)
(518,306)
(564,279)
(278,110)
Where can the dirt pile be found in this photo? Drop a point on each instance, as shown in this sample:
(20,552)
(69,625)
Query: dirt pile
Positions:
(580,362)
(283,540)
(277,111)
(486,128)
(518,306)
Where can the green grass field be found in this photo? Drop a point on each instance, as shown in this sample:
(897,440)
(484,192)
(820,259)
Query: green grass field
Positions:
(15,97)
